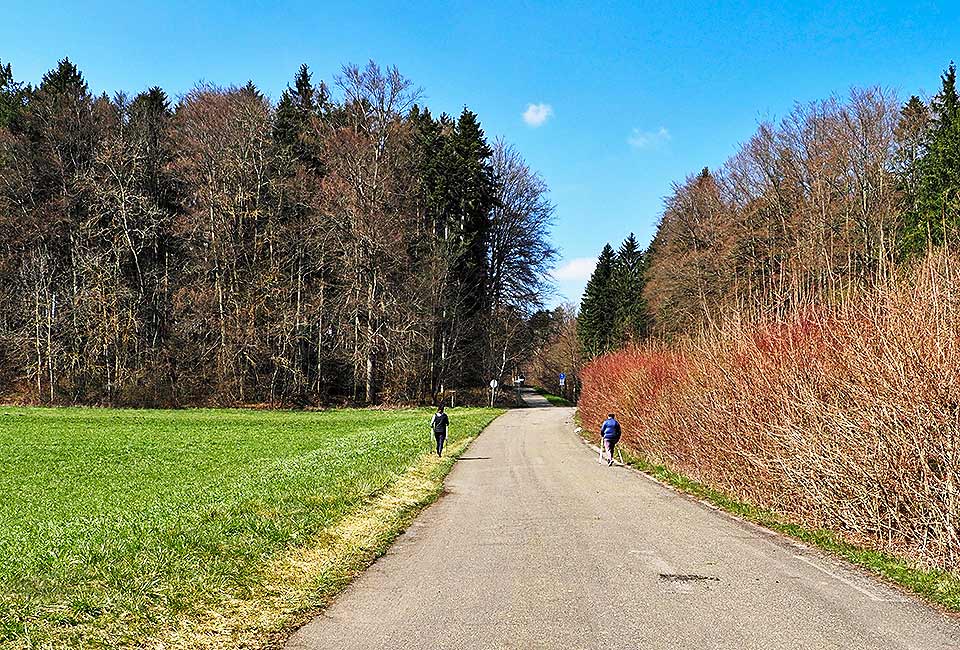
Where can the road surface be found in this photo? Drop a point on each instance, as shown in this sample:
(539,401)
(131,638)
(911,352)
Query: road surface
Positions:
(536,545)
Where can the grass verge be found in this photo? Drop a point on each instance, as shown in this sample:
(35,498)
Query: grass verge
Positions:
(937,586)
(200,528)
(556,400)
(297,586)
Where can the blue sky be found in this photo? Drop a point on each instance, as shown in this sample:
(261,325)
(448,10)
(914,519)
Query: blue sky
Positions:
(635,95)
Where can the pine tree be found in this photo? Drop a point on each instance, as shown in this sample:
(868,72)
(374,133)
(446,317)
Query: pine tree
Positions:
(934,206)
(597,319)
(631,311)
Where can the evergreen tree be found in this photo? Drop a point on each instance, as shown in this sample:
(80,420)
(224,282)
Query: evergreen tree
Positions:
(474,198)
(11,95)
(297,112)
(597,320)
(934,206)
(431,155)
(149,124)
(59,126)
(631,310)
(472,192)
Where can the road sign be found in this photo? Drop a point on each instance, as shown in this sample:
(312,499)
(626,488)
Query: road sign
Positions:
(494,383)
(563,376)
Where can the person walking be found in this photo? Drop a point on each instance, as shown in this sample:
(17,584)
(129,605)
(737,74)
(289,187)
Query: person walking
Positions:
(610,432)
(439,425)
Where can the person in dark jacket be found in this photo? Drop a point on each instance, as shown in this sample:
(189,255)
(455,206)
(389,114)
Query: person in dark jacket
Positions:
(439,425)
(610,432)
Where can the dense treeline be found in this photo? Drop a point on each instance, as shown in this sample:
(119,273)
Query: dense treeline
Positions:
(836,195)
(341,244)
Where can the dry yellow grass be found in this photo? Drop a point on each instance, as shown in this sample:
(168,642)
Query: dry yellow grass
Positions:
(298,585)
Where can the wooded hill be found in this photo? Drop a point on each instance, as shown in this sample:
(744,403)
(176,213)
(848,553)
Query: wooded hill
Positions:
(341,244)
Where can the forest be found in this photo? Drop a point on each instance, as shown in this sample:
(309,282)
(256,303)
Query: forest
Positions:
(340,245)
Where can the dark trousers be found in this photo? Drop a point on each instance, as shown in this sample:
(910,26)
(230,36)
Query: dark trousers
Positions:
(441,437)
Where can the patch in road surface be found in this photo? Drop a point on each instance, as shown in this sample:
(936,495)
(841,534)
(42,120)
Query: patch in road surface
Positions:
(687,577)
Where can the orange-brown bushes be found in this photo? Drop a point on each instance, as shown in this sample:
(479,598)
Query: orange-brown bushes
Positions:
(846,417)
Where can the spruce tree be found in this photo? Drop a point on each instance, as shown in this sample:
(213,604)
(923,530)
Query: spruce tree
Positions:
(59,124)
(473,200)
(934,209)
(631,317)
(473,192)
(597,319)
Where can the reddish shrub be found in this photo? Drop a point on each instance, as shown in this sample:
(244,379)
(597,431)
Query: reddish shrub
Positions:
(846,418)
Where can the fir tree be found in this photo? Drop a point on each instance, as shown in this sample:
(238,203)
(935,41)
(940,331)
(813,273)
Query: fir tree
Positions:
(59,125)
(472,190)
(597,319)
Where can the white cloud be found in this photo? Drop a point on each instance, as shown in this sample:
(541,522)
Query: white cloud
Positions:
(576,270)
(648,139)
(537,114)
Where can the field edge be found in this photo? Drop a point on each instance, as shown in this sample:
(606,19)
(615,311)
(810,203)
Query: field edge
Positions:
(299,585)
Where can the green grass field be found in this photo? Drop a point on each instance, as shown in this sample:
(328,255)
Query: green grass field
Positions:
(124,519)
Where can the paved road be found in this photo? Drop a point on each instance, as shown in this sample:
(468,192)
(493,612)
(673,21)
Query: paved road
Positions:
(536,545)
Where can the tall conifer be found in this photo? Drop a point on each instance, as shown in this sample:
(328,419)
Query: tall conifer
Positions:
(631,319)
(596,322)
(934,213)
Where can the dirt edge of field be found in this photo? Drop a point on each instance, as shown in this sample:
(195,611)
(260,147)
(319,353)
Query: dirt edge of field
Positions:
(300,584)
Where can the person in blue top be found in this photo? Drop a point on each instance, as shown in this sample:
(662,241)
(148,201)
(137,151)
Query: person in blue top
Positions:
(610,432)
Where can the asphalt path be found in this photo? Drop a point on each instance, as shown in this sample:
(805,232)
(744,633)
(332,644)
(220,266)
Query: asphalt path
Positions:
(537,545)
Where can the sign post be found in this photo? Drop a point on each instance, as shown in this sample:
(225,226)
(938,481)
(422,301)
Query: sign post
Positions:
(493,389)
(563,384)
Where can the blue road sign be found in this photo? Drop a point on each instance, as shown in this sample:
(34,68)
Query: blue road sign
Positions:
(562,376)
